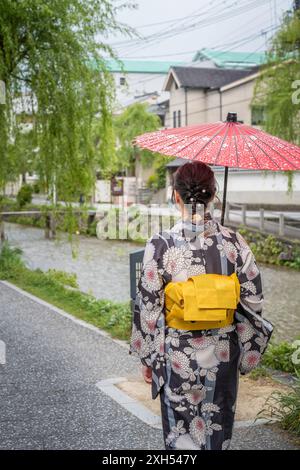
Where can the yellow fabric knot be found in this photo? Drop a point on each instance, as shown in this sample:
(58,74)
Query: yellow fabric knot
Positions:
(202,302)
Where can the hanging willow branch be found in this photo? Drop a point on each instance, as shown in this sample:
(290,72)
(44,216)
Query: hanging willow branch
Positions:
(275,88)
(51,61)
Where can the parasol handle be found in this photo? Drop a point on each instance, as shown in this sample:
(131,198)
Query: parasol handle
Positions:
(224,195)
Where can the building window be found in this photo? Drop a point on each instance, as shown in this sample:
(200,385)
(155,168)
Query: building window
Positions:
(258,115)
(179,118)
(174,119)
(122,81)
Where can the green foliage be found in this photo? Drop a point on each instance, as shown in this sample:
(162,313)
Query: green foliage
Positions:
(158,180)
(66,279)
(258,373)
(51,55)
(285,408)
(6,203)
(268,248)
(134,121)
(11,263)
(24,195)
(36,188)
(276,84)
(279,357)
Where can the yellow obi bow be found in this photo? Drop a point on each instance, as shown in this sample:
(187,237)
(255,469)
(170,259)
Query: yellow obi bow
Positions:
(202,302)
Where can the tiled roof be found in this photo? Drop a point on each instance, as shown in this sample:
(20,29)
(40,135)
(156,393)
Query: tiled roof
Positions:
(208,78)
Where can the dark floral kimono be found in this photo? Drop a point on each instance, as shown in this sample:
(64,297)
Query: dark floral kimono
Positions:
(196,372)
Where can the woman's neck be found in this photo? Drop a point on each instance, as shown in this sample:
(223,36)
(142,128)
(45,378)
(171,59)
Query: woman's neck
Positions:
(195,218)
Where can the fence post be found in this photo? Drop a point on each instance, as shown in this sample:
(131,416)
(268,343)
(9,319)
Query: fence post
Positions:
(281,225)
(47,227)
(2,233)
(227,211)
(53,226)
(261,219)
(244,208)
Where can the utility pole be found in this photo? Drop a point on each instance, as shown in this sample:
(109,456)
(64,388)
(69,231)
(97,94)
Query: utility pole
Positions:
(275,13)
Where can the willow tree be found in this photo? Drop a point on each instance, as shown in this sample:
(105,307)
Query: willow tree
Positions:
(133,121)
(52,65)
(278,87)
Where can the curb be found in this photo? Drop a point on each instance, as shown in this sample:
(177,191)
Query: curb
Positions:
(108,386)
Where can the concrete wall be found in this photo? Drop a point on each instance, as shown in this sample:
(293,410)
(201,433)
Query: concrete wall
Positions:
(203,106)
(260,187)
(238,99)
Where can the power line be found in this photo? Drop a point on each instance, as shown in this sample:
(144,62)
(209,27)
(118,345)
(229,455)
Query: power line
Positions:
(179,21)
(241,42)
(215,18)
(235,43)
(164,32)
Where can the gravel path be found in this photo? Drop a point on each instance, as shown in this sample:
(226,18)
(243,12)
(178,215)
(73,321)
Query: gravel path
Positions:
(48,396)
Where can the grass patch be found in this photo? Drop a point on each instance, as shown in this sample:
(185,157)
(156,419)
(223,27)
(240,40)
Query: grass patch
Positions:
(59,289)
(285,408)
(259,372)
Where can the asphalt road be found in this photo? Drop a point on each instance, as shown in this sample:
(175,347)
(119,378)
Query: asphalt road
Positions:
(48,394)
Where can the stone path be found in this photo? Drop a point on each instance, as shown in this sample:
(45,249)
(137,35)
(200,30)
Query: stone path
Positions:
(48,393)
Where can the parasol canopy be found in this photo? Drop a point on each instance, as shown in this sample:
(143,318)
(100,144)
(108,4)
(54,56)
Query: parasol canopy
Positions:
(230,144)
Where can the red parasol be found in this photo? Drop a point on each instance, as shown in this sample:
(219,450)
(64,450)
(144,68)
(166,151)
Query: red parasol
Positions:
(228,143)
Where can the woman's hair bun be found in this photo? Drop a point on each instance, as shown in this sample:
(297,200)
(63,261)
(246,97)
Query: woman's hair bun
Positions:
(195,182)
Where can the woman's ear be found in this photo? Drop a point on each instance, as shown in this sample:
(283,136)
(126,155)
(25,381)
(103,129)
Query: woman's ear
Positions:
(177,197)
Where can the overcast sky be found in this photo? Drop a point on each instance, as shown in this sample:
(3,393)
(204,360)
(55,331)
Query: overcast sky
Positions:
(189,25)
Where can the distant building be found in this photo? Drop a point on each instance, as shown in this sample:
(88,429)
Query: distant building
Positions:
(139,81)
(199,95)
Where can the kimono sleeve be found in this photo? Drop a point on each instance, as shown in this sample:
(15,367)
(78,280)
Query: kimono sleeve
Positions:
(146,337)
(253,330)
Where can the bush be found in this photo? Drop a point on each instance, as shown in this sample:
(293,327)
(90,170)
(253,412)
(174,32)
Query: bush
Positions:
(10,261)
(158,180)
(267,249)
(279,357)
(24,195)
(36,188)
(7,204)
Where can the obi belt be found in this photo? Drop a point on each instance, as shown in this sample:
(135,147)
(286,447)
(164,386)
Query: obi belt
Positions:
(202,302)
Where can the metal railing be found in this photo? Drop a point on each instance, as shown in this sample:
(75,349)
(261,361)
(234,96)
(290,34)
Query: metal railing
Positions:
(280,223)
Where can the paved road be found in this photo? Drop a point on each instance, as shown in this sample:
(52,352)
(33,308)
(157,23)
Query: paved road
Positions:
(48,396)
